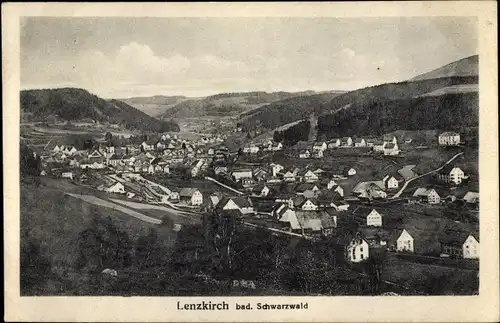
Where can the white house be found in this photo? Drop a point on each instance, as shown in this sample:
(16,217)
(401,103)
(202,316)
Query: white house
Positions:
(278,147)
(358,249)
(115,188)
(360,142)
(471,247)
(351,172)
(379,145)
(334,143)
(191,196)
(428,195)
(251,149)
(307,205)
(374,219)
(346,142)
(67,175)
(449,139)
(276,168)
(237,203)
(319,146)
(305,154)
(289,177)
(239,174)
(390,182)
(310,177)
(451,174)
(405,242)
(391,149)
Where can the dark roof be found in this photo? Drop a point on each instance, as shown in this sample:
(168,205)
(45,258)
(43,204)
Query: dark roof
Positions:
(302,187)
(329,196)
(456,237)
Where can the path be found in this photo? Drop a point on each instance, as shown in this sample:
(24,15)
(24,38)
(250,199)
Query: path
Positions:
(146,206)
(277,230)
(223,185)
(97,201)
(45,147)
(417,177)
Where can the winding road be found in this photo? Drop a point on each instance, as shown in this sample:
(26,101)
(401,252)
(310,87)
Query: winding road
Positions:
(417,177)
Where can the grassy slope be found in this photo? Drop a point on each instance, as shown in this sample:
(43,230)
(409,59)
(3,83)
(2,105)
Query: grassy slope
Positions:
(55,219)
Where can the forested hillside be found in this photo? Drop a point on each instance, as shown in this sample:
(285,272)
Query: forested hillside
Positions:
(450,111)
(74,104)
(291,110)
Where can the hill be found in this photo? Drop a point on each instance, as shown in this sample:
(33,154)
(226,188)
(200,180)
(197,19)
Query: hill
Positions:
(468,66)
(72,104)
(227,104)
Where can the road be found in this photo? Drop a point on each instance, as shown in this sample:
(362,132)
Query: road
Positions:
(417,177)
(223,185)
(100,202)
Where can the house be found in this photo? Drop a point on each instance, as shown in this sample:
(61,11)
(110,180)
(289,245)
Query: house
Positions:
(239,174)
(304,154)
(309,222)
(391,149)
(261,190)
(318,154)
(379,145)
(286,216)
(335,143)
(346,142)
(427,195)
(114,159)
(276,168)
(359,142)
(460,244)
(305,204)
(67,175)
(243,204)
(370,190)
(260,174)
(277,147)
(191,196)
(310,177)
(332,199)
(471,197)
(115,188)
(289,176)
(451,174)
(449,138)
(390,139)
(95,155)
(391,181)
(374,219)
(319,146)
(147,146)
(358,249)
(251,149)
(405,242)
(350,171)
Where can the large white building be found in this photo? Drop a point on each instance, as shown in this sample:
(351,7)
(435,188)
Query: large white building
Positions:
(449,138)
(451,174)
(358,249)
(405,242)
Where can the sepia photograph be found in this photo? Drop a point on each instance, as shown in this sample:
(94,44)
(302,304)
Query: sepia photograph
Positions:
(249,156)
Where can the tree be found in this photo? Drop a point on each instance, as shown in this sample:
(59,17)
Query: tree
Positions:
(30,163)
(102,245)
(35,267)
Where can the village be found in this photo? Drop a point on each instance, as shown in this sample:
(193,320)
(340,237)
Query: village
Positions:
(302,195)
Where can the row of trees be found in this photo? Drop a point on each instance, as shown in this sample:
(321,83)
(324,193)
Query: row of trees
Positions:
(293,134)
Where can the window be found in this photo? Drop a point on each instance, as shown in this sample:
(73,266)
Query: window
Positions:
(362,256)
(353,254)
(361,249)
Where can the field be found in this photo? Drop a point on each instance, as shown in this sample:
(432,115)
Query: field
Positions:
(430,279)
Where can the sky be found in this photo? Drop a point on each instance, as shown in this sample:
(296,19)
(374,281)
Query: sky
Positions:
(125,57)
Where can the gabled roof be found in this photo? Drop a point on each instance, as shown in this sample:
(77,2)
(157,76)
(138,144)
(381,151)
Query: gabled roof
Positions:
(302,187)
(329,196)
(187,191)
(447,169)
(309,220)
(389,145)
(449,133)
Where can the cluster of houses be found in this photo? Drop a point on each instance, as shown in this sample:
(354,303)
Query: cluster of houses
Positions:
(387,146)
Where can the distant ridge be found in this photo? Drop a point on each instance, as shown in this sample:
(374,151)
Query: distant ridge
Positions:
(468,66)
